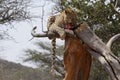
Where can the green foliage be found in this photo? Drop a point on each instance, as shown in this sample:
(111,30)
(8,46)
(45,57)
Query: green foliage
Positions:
(45,46)
(60,50)
(97,72)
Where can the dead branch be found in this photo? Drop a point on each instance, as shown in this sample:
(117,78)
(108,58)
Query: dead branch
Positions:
(50,34)
(112,40)
(34,34)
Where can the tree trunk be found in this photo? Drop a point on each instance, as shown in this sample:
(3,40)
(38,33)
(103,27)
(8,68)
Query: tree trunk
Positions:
(99,50)
(77,60)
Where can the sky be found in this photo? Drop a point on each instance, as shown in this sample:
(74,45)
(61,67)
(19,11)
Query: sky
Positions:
(13,50)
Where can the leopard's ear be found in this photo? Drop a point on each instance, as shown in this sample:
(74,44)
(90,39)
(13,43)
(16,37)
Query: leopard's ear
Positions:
(67,10)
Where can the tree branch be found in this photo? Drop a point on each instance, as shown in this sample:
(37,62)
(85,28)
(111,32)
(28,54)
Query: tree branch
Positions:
(34,34)
(103,61)
(112,40)
(50,34)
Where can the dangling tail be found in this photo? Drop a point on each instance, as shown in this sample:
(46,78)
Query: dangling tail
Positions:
(53,56)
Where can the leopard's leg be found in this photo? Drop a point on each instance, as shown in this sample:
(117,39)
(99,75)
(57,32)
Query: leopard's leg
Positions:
(59,30)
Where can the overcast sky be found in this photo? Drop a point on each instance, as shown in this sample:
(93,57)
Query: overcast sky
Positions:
(12,50)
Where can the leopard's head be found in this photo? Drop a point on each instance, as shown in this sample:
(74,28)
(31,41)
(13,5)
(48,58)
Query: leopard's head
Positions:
(70,17)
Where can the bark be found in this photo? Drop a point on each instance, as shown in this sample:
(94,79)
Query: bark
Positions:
(77,60)
(99,50)
(113,40)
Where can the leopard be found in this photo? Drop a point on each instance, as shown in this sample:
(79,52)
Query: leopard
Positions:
(67,19)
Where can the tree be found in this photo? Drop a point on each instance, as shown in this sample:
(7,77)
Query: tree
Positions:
(96,23)
(13,10)
(10,11)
